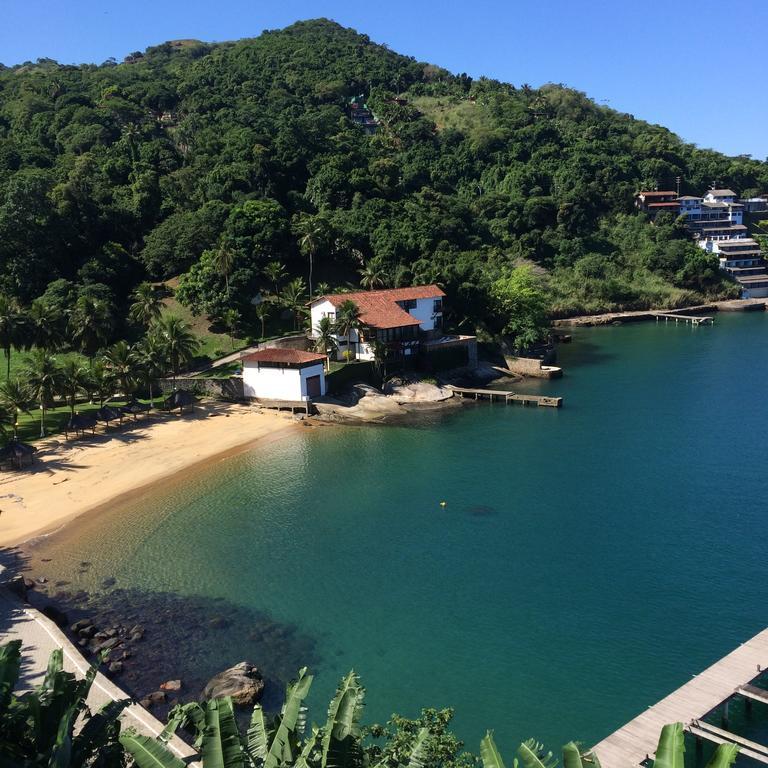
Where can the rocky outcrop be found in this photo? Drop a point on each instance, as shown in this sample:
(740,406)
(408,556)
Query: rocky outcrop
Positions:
(244,683)
(416,392)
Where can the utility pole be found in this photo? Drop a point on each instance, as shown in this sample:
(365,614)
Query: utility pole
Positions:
(678,185)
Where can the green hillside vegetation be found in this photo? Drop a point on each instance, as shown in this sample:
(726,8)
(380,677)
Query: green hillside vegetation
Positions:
(220,164)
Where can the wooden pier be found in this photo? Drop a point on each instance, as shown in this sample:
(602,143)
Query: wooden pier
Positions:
(678,318)
(730,676)
(506,396)
(293,406)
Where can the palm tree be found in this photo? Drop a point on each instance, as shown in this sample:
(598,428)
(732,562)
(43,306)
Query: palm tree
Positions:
(11,324)
(150,359)
(101,382)
(15,399)
(74,379)
(120,362)
(44,380)
(90,324)
(223,263)
(231,321)
(293,298)
(347,320)
(379,349)
(372,275)
(147,305)
(313,234)
(275,272)
(45,325)
(178,341)
(325,338)
(261,310)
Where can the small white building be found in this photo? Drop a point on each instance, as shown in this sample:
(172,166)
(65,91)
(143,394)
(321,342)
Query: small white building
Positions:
(400,318)
(283,374)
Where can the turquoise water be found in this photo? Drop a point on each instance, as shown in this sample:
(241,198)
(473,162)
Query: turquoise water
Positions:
(588,560)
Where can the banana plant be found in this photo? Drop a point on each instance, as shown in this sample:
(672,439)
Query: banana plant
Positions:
(341,746)
(670,752)
(38,727)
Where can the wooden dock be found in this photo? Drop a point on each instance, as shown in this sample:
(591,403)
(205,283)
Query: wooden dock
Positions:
(730,676)
(679,318)
(506,396)
(293,406)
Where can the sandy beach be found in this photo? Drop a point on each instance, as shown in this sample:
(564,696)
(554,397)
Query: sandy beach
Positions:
(71,478)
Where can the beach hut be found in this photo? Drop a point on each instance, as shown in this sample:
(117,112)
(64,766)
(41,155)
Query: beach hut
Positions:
(291,375)
(134,408)
(180,399)
(80,423)
(17,452)
(107,413)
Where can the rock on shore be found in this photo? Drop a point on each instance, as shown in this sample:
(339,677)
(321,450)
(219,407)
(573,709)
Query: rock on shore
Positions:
(243,682)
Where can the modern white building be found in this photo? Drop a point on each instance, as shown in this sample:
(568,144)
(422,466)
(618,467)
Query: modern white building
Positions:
(743,259)
(400,318)
(283,374)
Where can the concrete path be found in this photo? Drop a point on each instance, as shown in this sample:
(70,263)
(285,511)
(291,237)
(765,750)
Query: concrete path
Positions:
(39,636)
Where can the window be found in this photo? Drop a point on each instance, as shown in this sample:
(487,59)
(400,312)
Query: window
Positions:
(437,306)
(407,304)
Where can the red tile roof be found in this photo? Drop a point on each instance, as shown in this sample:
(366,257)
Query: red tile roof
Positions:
(379,309)
(663,205)
(286,356)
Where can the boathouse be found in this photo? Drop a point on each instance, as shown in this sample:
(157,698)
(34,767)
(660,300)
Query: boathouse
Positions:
(283,374)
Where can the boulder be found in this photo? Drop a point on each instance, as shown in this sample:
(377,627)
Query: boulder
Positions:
(243,682)
(81,624)
(171,685)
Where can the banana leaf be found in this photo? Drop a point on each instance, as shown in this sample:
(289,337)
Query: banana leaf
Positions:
(572,756)
(341,735)
(671,748)
(256,738)
(419,749)
(55,665)
(291,721)
(532,755)
(61,753)
(309,746)
(149,753)
(10,665)
(724,756)
(181,716)
(221,746)
(489,752)
(97,732)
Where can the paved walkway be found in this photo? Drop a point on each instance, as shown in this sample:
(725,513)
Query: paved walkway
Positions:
(39,636)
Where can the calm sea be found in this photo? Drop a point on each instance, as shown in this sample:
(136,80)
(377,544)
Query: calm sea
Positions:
(587,561)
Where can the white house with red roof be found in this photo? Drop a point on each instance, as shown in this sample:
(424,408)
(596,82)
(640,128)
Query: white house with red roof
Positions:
(400,318)
(283,374)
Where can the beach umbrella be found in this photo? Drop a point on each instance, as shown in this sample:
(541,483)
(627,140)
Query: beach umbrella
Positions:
(134,408)
(107,413)
(180,399)
(17,451)
(79,423)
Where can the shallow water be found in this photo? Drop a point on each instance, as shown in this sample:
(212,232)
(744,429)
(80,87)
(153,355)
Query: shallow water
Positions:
(588,560)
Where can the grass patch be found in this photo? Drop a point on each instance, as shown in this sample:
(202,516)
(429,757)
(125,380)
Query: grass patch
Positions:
(57,418)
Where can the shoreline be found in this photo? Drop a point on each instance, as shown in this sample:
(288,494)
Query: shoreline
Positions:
(634,316)
(84,477)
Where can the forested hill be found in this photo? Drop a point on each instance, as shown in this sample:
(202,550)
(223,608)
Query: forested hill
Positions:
(118,173)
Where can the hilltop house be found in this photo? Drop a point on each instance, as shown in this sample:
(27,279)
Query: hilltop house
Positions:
(716,222)
(283,374)
(407,321)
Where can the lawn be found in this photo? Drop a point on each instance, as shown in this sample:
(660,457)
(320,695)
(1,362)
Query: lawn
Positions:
(57,418)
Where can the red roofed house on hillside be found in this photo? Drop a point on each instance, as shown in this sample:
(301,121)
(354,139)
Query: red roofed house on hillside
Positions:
(400,318)
(283,374)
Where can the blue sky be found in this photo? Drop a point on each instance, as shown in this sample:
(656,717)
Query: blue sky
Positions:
(697,68)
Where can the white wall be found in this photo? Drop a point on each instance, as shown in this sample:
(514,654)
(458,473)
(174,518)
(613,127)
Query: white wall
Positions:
(319,310)
(279,383)
(423,313)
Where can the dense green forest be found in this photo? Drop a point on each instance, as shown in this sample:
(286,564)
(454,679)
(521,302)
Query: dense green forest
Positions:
(233,166)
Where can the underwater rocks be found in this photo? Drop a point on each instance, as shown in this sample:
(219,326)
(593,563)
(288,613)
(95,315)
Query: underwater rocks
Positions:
(244,683)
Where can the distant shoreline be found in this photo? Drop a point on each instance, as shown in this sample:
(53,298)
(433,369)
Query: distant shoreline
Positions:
(634,316)
(83,477)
